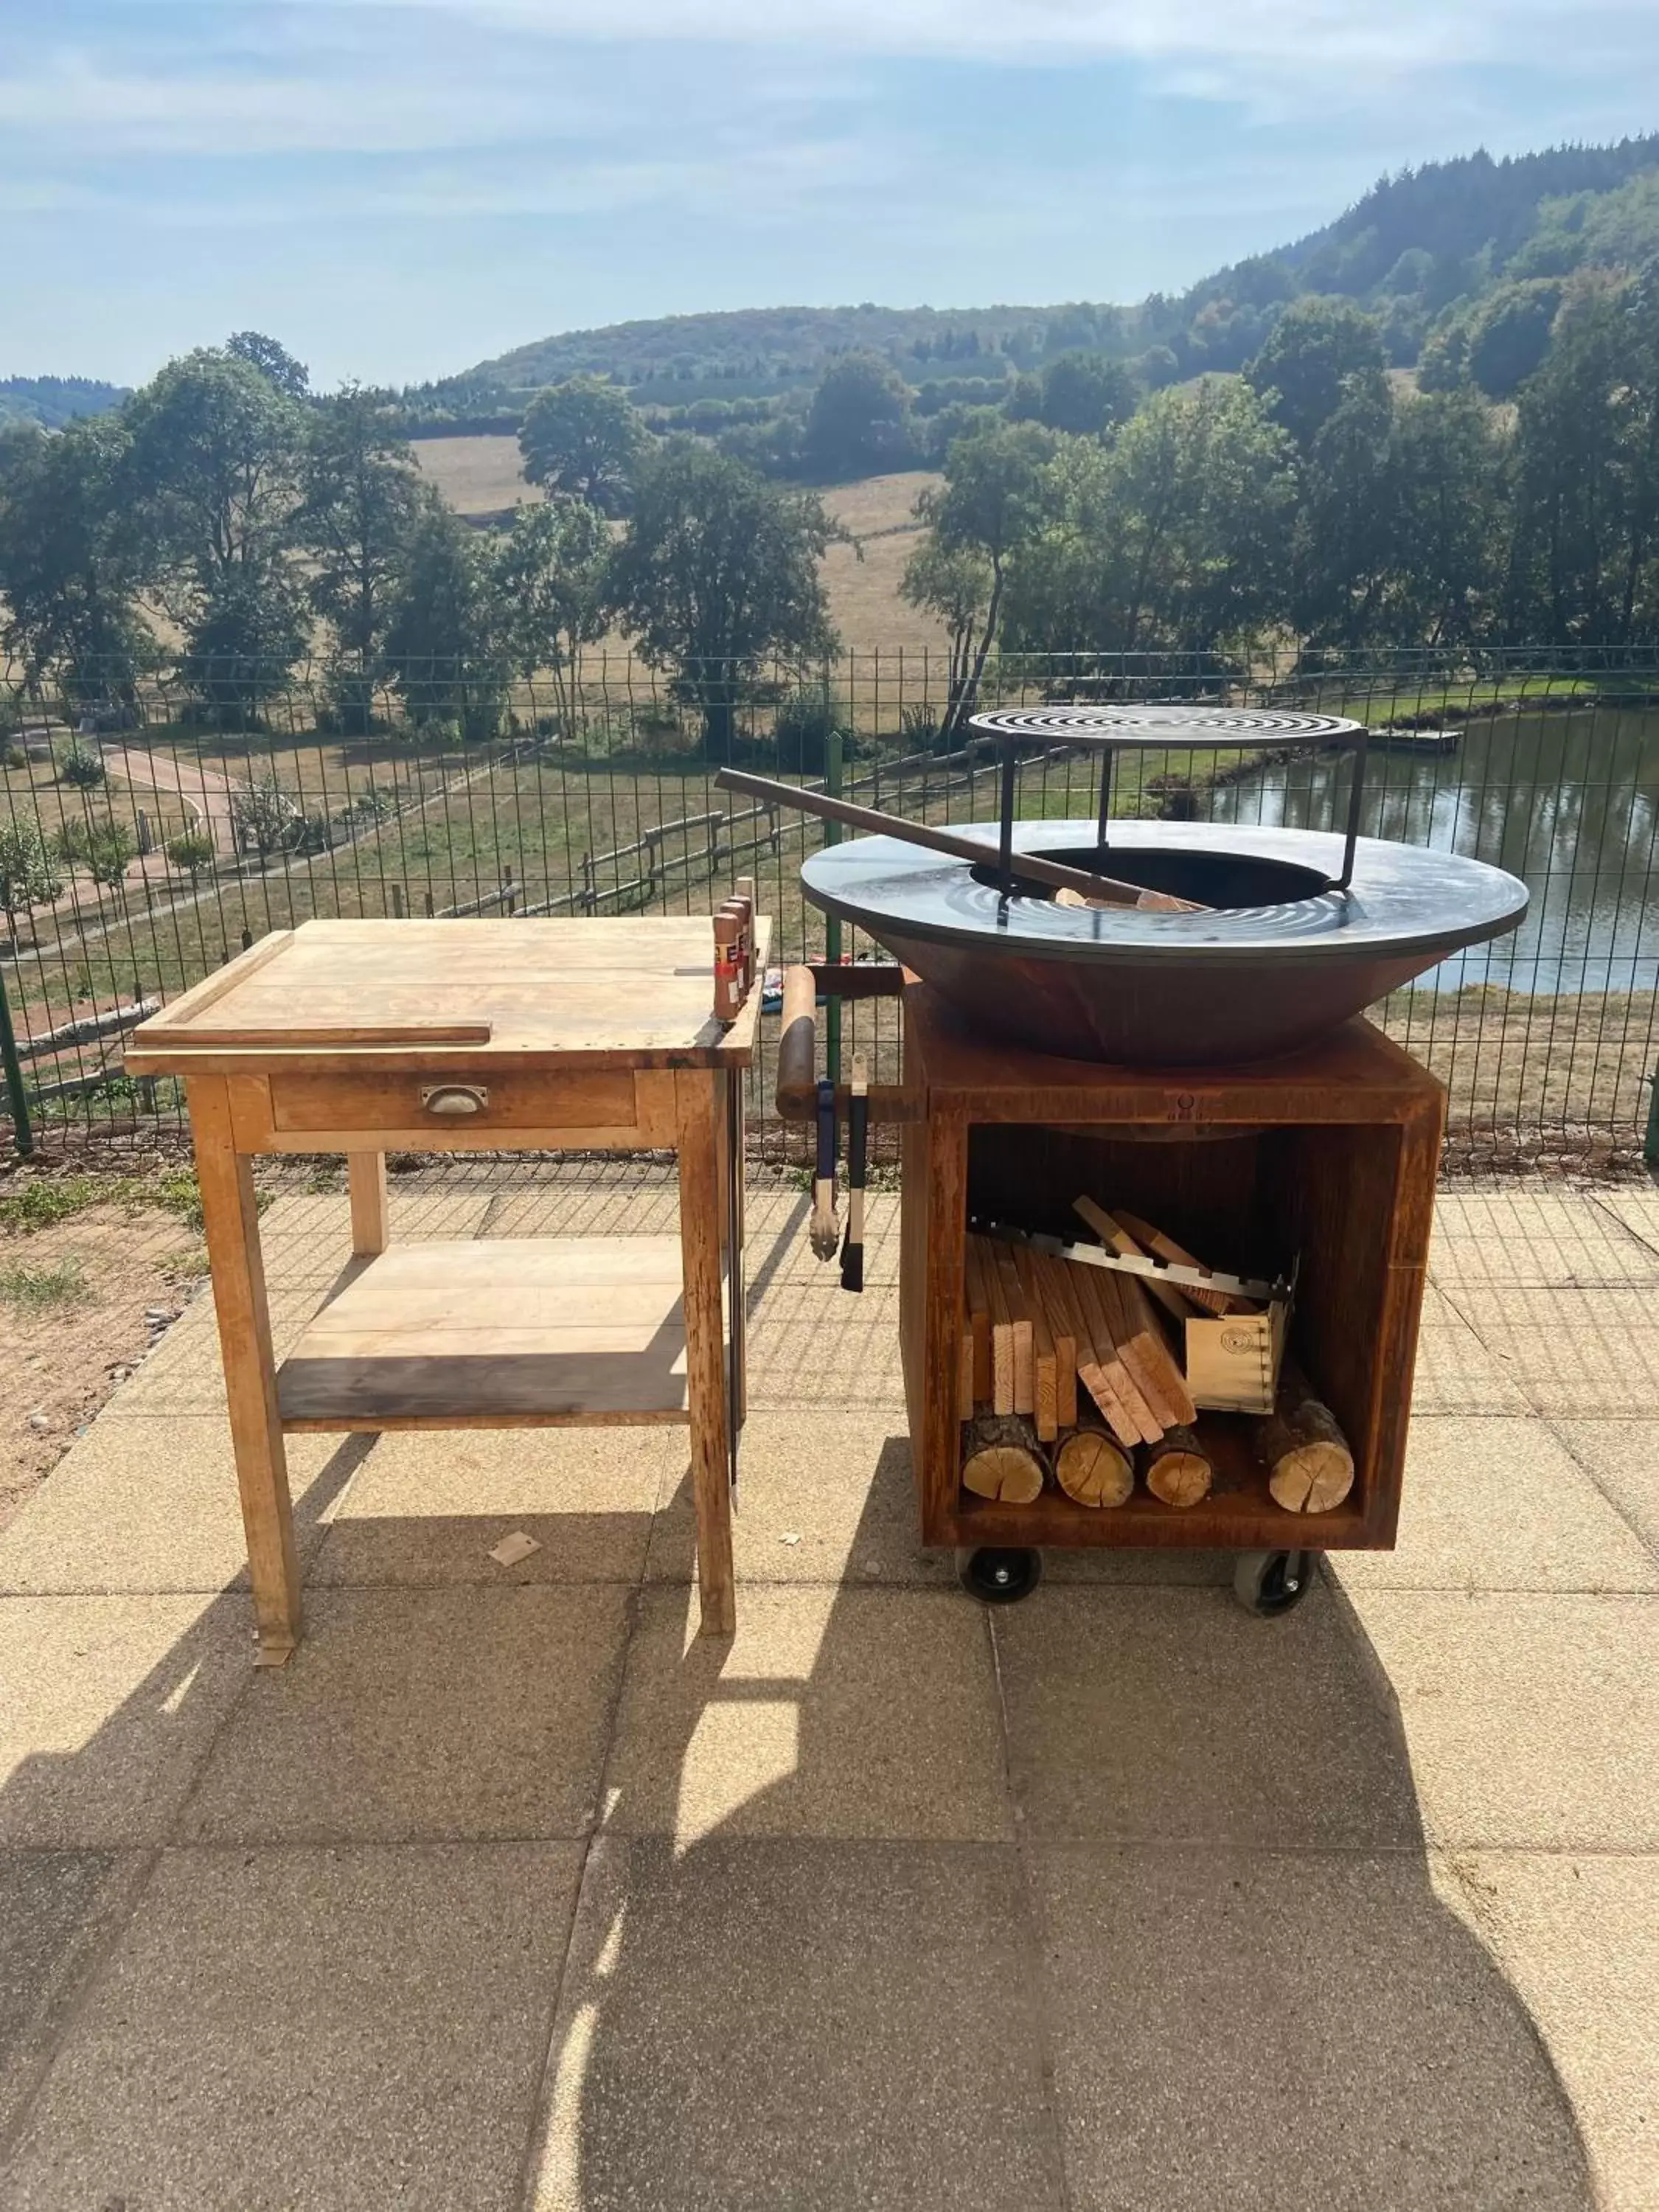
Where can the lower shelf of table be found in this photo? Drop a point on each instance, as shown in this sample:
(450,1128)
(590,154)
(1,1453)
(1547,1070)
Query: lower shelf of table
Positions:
(1240,1513)
(496,1332)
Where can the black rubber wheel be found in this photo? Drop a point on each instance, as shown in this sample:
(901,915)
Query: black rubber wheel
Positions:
(1000,1574)
(1269,1583)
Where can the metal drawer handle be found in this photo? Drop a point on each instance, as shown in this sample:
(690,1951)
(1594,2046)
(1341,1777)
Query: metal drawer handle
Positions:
(454,1098)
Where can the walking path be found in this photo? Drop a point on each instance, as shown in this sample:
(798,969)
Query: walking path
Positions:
(508,1892)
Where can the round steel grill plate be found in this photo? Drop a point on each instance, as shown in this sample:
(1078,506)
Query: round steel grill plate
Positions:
(1170,727)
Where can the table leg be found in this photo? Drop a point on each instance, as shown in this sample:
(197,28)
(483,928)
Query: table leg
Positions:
(366,1176)
(698,1106)
(230,1215)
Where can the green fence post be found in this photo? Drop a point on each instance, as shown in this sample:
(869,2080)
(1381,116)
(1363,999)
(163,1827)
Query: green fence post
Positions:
(1651,1143)
(833,764)
(22,1133)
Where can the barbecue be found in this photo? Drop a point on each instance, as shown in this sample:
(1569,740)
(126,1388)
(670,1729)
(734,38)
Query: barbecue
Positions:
(1165,1201)
(1289,932)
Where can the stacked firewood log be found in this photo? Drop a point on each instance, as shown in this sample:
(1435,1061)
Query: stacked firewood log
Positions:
(1071,1372)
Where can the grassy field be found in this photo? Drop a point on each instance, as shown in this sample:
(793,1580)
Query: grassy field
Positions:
(480,477)
(476,476)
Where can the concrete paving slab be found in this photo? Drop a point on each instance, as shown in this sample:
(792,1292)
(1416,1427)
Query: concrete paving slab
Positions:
(133,1506)
(1136,1713)
(1578,1937)
(107,1707)
(1456,1372)
(778,1249)
(816,1344)
(1635,1206)
(849,1713)
(430,1505)
(1534,1238)
(422,1715)
(1499,1503)
(316,2030)
(1314,2032)
(1531,1721)
(1623,1458)
(1575,1351)
(823,1496)
(184,1375)
(821,2026)
(55,1909)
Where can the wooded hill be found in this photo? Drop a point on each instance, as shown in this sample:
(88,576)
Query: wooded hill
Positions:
(1434,252)
(52,401)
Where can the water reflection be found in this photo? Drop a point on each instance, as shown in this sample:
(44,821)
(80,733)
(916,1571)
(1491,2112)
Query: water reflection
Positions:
(1568,802)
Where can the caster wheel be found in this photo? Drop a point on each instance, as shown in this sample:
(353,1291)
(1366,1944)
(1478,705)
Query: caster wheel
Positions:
(1000,1575)
(1270,1583)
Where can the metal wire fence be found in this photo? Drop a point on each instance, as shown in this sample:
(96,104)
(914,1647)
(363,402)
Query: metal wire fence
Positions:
(146,835)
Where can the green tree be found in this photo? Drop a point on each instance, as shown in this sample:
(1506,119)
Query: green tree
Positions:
(1450,514)
(1172,537)
(989,506)
(1510,335)
(360,501)
(1087,394)
(274,361)
(550,576)
(859,423)
(71,562)
(1301,372)
(1578,569)
(956,587)
(443,643)
(1346,538)
(105,850)
(719,572)
(246,629)
(29,873)
(215,465)
(584,439)
(192,854)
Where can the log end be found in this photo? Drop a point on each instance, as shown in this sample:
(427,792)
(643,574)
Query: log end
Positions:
(1180,1478)
(1312,1478)
(1091,1470)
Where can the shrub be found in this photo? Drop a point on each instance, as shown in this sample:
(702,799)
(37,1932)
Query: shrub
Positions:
(29,873)
(803,726)
(265,817)
(105,850)
(84,769)
(13,757)
(191,855)
(920,728)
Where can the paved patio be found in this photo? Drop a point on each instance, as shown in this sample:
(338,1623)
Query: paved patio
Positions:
(506,1892)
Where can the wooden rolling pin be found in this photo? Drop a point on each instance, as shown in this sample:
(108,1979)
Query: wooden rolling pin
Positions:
(1109,890)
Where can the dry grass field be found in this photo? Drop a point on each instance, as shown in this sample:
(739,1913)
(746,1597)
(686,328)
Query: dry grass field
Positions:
(480,477)
(864,594)
(476,476)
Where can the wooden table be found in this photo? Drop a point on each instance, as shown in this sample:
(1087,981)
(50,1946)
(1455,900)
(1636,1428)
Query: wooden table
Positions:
(366,1038)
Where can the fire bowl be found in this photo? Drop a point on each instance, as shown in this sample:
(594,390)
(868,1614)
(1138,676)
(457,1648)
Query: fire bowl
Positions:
(1276,962)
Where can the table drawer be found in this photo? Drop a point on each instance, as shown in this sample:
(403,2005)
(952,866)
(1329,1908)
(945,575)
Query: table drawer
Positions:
(454,1105)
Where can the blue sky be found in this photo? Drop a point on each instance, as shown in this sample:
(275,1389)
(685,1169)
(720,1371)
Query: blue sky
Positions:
(397,188)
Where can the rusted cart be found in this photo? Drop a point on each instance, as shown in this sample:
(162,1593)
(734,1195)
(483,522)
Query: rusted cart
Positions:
(1326,1160)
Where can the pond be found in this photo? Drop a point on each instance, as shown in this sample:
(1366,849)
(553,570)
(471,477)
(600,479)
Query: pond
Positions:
(1570,803)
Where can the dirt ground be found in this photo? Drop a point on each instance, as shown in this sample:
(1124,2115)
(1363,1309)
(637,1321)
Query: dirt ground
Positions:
(123,1273)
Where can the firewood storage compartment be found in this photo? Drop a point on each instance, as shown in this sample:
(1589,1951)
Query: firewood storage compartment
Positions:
(1323,1163)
